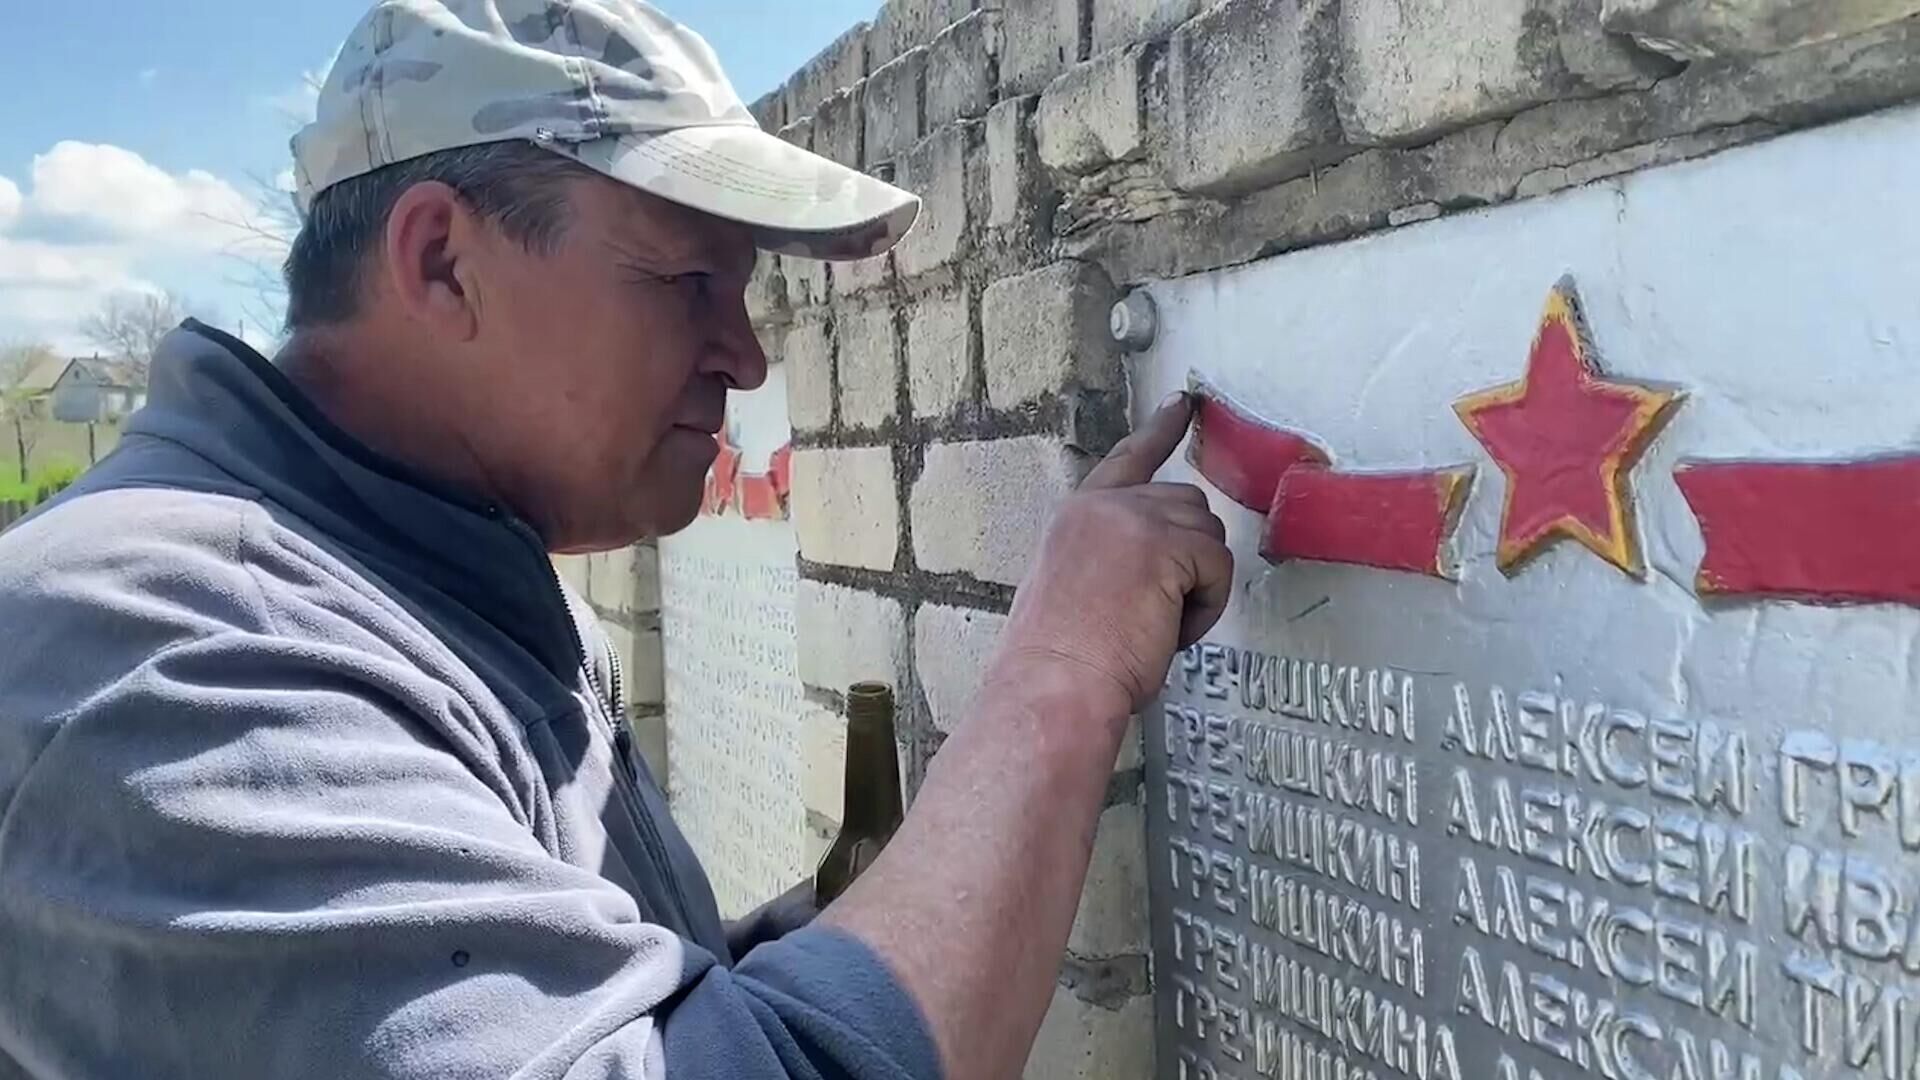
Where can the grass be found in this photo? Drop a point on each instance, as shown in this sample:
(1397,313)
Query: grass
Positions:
(42,484)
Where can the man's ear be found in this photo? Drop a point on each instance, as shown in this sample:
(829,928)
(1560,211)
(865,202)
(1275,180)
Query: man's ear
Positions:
(431,247)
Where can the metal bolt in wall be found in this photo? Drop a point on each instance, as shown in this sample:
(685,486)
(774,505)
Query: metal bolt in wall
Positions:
(1135,321)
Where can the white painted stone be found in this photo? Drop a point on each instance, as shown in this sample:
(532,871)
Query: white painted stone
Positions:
(850,636)
(1414,69)
(894,106)
(1013,162)
(846,508)
(1045,333)
(980,508)
(1042,40)
(862,275)
(837,67)
(1091,116)
(960,64)
(1122,22)
(823,761)
(935,170)
(1795,336)
(939,354)
(809,363)
(1250,87)
(951,647)
(732,697)
(869,366)
(1079,1040)
(1715,29)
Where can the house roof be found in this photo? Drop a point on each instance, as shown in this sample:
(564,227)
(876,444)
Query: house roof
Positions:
(109,374)
(41,377)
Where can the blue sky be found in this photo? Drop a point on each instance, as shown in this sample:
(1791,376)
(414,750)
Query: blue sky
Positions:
(128,140)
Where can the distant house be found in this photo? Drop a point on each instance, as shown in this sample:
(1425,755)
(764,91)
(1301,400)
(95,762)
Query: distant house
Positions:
(84,390)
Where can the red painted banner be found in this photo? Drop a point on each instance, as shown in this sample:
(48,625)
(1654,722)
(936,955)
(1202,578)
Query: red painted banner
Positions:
(1393,521)
(1390,521)
(757,496)
(1824,532)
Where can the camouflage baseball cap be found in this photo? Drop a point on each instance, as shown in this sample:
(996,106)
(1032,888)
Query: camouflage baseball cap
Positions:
(613,84)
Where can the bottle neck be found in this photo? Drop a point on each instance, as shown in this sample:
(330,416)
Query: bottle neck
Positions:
(873,800)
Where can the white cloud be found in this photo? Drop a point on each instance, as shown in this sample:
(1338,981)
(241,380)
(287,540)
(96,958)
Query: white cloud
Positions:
(148,75)
(99,219)
(115,193)
(10,200)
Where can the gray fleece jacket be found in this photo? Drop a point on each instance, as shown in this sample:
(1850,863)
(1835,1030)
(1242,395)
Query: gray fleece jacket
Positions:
(310,768)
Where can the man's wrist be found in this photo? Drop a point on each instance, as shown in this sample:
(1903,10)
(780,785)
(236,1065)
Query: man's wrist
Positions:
(1056,695)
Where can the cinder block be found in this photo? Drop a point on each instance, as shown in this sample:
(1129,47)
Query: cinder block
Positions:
(573,571)
(837,67)
(981,508)
(1014,176)
(960,69)
(903,25)
(806,281)
(1415,69)
(1716,29)
(951,647)
(1112,919)
(893,106)
(809,360)
(862,275)
(869,366)
(823,760)
(846,509)
(650,739)
(936,170)
(625,580)
(1251,94)
(1080,1040)
(1042,40)
(939,354)
(849,636)
(1124,22)
(1091,116)
(838,125)
(1046,333)
(643,680)
(770,112)
(767,293)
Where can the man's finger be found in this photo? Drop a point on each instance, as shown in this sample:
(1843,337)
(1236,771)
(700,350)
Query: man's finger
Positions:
(1141,454)
(1198,519)
(1213,588)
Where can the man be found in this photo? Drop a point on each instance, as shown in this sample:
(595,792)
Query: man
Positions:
(308,764)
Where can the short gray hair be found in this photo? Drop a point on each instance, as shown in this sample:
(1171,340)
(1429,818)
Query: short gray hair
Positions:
(518,186)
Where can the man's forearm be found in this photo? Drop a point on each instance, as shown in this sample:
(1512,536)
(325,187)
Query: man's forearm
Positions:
(972,902)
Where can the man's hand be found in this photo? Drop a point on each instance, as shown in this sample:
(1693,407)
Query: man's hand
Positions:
(1129,572)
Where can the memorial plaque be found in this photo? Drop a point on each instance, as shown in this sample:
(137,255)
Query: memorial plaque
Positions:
(732,684)
(1566,719)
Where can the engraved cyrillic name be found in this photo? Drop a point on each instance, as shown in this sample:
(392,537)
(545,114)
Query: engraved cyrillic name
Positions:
(1686,962)
(1698,763)
(1378,701)
(1677,856)
(1594,1033)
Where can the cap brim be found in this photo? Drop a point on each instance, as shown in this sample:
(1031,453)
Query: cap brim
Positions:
(797,202)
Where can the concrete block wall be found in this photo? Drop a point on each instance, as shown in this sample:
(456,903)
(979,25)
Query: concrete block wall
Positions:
(623,587)
(946,397)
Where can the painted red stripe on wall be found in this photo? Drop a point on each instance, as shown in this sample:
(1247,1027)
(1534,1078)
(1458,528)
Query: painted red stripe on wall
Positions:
(1825,532)
(1392,521)
(1245,457)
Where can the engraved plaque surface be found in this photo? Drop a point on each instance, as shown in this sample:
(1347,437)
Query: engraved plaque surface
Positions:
(732,684)
(1636,798)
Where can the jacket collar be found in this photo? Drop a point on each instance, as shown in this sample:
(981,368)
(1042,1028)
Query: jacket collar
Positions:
(215,395)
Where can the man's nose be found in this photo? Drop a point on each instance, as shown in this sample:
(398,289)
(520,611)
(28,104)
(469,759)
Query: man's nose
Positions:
(734,351)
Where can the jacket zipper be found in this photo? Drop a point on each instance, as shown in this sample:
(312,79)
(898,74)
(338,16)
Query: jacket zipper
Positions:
(620,733)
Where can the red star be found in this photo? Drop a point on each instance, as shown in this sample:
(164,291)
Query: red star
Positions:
(1567,439)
